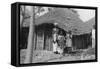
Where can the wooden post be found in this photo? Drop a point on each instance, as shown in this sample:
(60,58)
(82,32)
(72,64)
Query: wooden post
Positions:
(43,42)
(93,38)
(29,51)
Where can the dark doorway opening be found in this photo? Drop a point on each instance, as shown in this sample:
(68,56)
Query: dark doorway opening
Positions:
(24,37)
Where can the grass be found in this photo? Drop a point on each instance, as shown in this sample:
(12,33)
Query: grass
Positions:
(49,56)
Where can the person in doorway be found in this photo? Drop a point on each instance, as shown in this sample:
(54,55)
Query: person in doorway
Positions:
(55,44)
(61,43)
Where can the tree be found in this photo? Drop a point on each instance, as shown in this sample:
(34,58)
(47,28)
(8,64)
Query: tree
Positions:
(29,51)
(22,15)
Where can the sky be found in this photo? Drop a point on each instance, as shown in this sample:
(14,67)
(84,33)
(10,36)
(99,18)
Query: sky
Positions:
(86,14)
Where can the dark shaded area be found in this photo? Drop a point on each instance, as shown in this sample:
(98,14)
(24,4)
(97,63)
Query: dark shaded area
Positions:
(67,49)
(82,41)
(24,37)
(45,28)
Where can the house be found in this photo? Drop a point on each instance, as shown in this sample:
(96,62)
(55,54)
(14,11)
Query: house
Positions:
(66,19)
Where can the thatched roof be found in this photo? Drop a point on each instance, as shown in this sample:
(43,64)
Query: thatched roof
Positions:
(65,18)
(88,26)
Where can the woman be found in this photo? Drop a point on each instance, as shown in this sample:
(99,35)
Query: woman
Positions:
(55,44)
(61,43)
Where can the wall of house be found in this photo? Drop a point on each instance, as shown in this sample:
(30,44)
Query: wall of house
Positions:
(82,41)
(44,37)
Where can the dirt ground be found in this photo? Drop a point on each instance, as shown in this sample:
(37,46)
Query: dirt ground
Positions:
(49,56)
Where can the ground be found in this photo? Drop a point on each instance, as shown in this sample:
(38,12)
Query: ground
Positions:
(49,56)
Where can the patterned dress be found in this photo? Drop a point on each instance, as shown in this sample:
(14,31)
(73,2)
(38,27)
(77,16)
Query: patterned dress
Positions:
(61,41)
